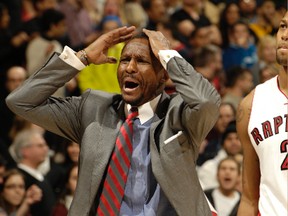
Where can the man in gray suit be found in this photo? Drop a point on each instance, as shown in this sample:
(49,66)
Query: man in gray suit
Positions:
(162,179)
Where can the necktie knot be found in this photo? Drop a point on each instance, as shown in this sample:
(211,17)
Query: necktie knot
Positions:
(133,113)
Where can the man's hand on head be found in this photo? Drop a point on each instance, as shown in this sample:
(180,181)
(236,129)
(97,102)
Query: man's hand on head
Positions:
(97,51)
(157,41)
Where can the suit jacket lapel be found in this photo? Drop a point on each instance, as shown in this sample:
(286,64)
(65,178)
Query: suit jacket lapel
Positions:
(113,117)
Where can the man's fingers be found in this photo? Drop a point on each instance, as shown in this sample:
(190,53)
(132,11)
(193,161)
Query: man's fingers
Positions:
(97,51)
(111,60)
(126,30)
(123,34)
(149,33)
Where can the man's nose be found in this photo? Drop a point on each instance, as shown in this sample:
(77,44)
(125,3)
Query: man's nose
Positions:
(285,35)
(132,66)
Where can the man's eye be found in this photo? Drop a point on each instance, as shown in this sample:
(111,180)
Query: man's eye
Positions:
(283,26)
(124,60)
(143,61)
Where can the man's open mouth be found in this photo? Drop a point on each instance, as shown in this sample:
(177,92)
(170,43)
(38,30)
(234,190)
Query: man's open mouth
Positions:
(227,179)
(130,85)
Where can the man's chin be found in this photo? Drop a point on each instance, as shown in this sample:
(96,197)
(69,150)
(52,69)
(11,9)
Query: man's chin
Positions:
(282,60)
(133,101)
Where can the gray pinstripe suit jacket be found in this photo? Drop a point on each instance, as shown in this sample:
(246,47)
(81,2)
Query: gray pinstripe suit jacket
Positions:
(93,121)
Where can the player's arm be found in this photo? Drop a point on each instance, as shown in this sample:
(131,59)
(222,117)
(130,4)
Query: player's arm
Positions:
(251,171)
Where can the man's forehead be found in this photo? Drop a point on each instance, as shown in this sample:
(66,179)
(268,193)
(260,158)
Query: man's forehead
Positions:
(137,40)
(285,18)
(142,44)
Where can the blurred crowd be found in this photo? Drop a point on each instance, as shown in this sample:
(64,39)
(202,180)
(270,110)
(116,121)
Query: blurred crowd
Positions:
(231,43)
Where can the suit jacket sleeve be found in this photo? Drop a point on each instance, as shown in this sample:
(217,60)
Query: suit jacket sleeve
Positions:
(34,103)
(200,97)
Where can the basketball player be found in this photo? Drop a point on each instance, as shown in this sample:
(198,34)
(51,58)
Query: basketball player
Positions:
(262,125)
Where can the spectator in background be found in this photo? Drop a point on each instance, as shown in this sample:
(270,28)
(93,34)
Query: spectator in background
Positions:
(156,13)
(93,11)
(27,10)
(15,76)
(266,52)
(225,198)
(241,50)
(168,29)
(204,35)
(231,146)
(12,46)
(52,171)
(281,7)
(79,24)
(15,8)
(215,35)
(211,11)
(248,10)
(29,150)
(228,17)
(212,144)
(114,8)
(184,29)
(15,200)
(39,49)
(137,15)
(64,203)
(33,26)
(19,124)
(192,13)
(239,82)
(103,77)
(199,37)
(172,6)
(267,20)
(207,60)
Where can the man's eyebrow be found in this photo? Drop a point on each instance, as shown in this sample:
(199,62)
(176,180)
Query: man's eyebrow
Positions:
(284,20)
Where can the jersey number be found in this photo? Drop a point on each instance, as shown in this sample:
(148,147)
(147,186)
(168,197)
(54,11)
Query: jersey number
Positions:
(284,149)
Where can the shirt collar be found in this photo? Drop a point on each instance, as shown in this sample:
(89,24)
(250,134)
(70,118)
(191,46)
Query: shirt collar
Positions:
(146,111)
(35,173)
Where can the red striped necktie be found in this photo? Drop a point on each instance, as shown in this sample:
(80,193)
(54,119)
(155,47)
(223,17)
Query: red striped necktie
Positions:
(113,189)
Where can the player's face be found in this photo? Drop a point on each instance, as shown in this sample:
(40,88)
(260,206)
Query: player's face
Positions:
(139,77)
(282,42)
